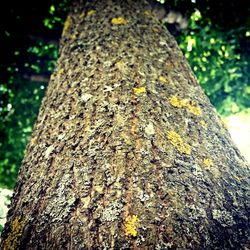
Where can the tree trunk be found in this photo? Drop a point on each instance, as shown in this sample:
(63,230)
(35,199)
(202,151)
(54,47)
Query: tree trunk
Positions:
(127,151)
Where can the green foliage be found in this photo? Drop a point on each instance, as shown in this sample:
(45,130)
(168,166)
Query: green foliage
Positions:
(56,15)
(24,78)
(218,62)
(20,101)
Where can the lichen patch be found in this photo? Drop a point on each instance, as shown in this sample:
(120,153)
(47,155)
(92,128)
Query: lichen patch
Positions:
(12,241)
(176,140)
(149,129)
(203,123)
(131,225)
(139,90)
(148,13)
(119,21)
(163,79)
(191,106)
(91,12)
(67,25)
(208,162)
(48,151)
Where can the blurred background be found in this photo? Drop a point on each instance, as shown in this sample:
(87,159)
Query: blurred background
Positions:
(213,35)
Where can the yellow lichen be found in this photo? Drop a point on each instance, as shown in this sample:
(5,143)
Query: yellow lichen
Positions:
(33,141)
(131,225)
(120,64)
(208,162)
(191,106)
(98,189)
(74,36)
(176,140)
(194,109)
(119,21)
(91,12)
(178,103)
(148,13)
(122,67)
(61,71)
(173,197)
(238,178)
(155,29)
(67,24)
(163,79)
(224,123)
(203,123)
(139,90)
(82,15)
(12,241)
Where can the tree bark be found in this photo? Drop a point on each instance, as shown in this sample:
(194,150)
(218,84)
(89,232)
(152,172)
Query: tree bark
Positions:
(127,151)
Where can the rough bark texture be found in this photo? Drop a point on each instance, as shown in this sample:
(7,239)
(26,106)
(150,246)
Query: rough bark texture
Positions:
(127,151)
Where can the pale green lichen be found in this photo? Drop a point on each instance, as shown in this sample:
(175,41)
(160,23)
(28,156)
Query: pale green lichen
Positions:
(223,217)
(122,67)
(177,141)
(13,238)
(48,151)
(149,129)
(131,225)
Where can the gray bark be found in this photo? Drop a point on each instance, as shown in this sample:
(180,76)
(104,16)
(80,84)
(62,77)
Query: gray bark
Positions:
(127,151)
